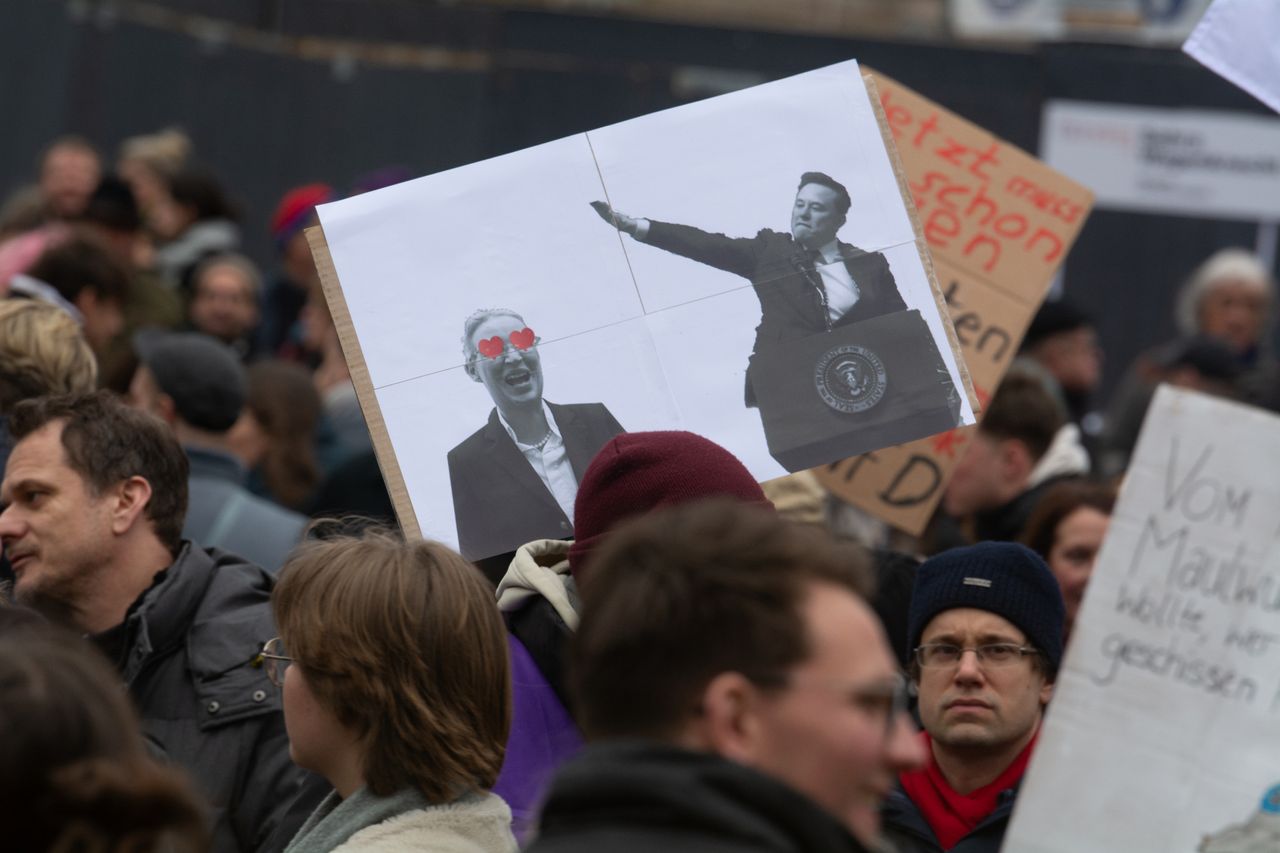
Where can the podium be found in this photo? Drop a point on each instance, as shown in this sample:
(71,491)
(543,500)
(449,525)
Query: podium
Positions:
(855,389)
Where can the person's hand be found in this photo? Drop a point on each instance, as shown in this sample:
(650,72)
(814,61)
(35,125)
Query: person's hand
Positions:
(617,219)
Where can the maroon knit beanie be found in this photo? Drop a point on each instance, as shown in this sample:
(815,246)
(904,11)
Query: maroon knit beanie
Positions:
(641,471)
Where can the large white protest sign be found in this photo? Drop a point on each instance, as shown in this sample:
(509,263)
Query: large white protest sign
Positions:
(1240,40)
(702,268)
(1163,735)
(1191,162)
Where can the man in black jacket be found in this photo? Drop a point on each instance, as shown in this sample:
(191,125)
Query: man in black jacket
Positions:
(94,496)
(985,626)
(738,692)
(808,281)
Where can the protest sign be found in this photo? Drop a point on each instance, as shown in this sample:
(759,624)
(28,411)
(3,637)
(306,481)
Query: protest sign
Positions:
(999,224)
(1201,163)
(1164,728)
(1240,40)
(561,269)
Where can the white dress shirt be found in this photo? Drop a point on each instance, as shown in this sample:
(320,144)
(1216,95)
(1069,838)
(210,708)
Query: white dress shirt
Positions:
(550,461)
(842,290)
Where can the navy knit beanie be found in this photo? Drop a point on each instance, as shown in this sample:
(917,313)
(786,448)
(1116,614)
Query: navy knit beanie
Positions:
(1003,578)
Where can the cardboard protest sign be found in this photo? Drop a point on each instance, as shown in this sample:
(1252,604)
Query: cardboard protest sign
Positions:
(1163,725)
(999,224)
(510,317)
(1238,40)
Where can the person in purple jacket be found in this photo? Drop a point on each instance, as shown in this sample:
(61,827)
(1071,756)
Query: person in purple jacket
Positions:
(633,474)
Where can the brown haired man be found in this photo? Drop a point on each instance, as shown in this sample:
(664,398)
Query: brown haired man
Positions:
(740,691)
(94,496)
(1021,447)
(85,274)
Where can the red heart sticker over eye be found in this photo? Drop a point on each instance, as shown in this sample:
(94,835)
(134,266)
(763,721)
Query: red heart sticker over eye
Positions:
(522,339)
(491,348)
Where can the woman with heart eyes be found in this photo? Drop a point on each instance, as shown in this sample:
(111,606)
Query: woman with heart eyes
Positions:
(493,347)
(516,478)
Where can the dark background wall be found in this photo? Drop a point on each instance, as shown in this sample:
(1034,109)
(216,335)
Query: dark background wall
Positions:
(278,93)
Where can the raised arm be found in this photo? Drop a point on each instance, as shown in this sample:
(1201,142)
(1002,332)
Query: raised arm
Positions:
(618,219)
(737,255)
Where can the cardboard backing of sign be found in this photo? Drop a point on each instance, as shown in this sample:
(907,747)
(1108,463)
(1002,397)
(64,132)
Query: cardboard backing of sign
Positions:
(382,446)
(998,223)
(376,362)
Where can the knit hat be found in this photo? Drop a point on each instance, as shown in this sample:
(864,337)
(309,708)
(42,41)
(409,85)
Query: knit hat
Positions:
(201,375)
(1210,357)
(637,472)
(113,206)
(1003,578)
(1055,318)
(295,209)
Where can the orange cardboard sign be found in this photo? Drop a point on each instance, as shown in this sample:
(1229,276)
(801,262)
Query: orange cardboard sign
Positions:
(998,223)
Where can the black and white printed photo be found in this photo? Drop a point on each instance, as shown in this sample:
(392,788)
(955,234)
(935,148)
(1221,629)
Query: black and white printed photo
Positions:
(743,267)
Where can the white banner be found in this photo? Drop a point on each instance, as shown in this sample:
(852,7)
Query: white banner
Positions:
(1163,22)
(1240,40)
(1191,162)
(1164,729)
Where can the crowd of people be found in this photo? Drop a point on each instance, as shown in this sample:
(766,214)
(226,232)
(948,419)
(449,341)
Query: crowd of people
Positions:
(214,639)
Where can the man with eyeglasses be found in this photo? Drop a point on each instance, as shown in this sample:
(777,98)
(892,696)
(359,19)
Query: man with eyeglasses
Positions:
(737,692)
(93,500)
(515,479)
(986,627)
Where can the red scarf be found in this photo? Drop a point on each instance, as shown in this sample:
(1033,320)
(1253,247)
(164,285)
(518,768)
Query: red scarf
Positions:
(952,816)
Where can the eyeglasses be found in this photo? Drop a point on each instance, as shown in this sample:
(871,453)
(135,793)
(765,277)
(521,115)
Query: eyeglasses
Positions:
(273,659)
(940,655)
(495,347)
(887,700)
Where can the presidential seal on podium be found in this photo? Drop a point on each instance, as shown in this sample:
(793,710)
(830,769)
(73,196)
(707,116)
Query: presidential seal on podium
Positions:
(853,389)
(850,378)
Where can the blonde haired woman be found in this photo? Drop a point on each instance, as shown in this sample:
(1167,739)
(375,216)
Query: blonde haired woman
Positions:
(393,661)
(42,351)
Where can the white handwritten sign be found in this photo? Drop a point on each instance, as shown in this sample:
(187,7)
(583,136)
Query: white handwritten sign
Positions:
(1164,730)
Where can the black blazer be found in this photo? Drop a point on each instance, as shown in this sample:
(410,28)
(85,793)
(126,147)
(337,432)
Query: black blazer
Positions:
(498,501)
(791,297)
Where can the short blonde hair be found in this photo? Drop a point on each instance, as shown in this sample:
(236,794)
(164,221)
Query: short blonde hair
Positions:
(165,152)
(404,644)
(42,351)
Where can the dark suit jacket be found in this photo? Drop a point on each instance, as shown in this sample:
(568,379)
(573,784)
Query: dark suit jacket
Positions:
(792,303)
(498,501)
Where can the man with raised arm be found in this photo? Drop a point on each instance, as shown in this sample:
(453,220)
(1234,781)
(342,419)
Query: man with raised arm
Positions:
(807,281)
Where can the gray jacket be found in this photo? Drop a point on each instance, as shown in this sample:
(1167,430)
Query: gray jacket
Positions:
(222,513)
(189,658)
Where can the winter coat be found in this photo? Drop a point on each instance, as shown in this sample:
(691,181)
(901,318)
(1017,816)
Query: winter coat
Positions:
(222,513)
(405,823)
(906,829)
(540,605)
(190,661)
(645,797)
